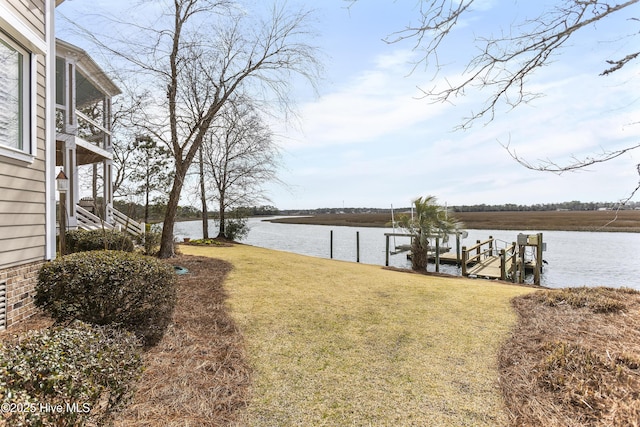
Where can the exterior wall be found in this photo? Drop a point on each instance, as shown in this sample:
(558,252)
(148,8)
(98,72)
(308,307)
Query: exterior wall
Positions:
(19,282)
(23,184)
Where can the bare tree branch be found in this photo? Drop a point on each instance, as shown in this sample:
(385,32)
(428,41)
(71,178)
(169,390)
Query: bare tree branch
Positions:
(504,62)
(576,164)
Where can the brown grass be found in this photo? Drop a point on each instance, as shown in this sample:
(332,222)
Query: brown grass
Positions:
(334,343)
(197,374)
(628,220)
(574,359)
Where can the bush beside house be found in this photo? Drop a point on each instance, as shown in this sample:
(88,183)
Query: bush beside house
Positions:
(133,291)
(68,376)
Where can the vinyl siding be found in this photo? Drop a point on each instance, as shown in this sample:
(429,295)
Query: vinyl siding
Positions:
(22,185)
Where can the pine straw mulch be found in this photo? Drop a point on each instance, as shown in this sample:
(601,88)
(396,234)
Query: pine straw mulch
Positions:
(197,375)
(574,359)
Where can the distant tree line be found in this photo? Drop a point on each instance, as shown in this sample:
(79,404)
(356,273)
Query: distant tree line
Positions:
(156,211)
(574,205)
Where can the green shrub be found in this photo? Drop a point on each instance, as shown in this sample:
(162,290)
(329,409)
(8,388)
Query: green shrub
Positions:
(151,239)
(95,240)
(110,288)
(68,376)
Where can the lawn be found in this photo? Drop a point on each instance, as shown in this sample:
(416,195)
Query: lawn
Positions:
(336,343)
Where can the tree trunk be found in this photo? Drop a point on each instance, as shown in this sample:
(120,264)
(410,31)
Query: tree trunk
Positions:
(221,230)
(166,243)
(419,255)
(203,195)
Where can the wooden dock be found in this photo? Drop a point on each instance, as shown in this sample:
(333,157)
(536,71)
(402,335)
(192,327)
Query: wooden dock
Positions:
(486,260)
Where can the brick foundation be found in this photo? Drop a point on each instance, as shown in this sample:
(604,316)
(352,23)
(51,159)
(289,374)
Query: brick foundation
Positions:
(20,282)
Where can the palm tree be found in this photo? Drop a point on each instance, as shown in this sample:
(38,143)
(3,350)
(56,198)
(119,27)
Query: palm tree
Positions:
(429,220)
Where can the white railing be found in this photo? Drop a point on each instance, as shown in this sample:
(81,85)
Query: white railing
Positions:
(89,221)
(125,223)
(117,220)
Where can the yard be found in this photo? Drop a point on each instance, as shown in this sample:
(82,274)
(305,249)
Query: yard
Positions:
(335,343)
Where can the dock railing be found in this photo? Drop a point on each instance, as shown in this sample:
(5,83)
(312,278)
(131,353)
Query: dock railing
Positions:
(509,262)
(479,252)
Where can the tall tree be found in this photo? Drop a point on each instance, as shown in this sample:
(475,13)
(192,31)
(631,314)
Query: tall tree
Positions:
(240,156)
(150,170)
(203,196)
(198,54)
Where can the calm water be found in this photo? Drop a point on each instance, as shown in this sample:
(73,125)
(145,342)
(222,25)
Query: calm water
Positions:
(574,258)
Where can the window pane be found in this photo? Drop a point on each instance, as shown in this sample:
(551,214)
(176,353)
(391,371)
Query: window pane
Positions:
(11,97)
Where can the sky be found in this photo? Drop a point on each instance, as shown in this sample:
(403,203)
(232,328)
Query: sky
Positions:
(368,139)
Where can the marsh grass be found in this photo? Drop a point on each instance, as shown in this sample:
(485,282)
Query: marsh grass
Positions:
(334,343)
(625,220)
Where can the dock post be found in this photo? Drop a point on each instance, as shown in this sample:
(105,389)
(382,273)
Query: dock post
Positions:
(503,264)
(490,246)
(464,260)
(437,257)
(357,246)
(514,262)
(538,269)
(458,248)
(386,254)
(331,244)
(521,268)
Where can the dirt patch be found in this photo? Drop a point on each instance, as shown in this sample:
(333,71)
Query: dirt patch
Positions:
(574,359)
(197,374)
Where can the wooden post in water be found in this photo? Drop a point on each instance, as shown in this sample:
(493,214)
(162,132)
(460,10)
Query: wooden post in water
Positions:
(437,257)
(521,268)
(464,260)
(514,263)
(538,270)
(331,244)
(458,248)
(386,255)
(357,246)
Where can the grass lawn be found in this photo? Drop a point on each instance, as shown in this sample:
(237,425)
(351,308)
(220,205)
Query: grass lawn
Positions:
(336,343)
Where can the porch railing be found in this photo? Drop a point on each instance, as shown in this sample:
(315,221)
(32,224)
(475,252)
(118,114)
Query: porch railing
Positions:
(118,221)
(125,223)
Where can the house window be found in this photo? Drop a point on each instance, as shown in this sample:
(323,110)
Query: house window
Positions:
(15,111)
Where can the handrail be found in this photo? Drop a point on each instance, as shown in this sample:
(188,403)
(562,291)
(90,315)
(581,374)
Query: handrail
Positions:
(92,122)
(479,244)
(90,221)
(128,224)
(466,259)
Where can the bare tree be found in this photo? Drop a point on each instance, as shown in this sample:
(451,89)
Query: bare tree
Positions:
(198,54)
(240,157)
(503,63)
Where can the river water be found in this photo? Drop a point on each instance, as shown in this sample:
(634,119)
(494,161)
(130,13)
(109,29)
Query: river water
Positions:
(572,258)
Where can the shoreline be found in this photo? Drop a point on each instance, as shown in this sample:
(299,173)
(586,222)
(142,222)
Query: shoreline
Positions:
(587,221)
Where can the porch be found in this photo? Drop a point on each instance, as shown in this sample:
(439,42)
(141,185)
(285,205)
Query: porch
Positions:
(84,150)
